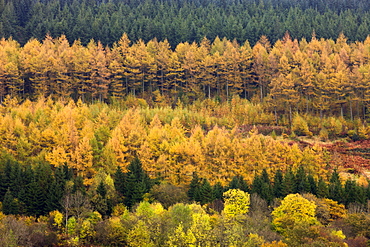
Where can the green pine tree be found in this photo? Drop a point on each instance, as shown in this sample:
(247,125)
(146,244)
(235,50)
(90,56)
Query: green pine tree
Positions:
(278,184)
(10,205)
(322,189)
(335,188)
(137,183)
(218,190)
(119,181)
(289,183)
(193,192)
(206,192)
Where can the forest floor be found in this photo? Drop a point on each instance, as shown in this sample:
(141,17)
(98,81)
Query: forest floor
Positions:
(353,156)
(350,157)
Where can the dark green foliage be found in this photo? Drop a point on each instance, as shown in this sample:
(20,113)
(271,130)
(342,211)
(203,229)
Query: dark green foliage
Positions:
(335,188)
(36,197)
(278,184)
(352,193)
(265,177)
(101,190)
(301,181)
(312,185)
(218,191)
(57,188)
(193,192)
(168,194)
(261,185)
(137,183)
(78,185)
(289,183)
(135,190)
(180,21)
(100,201)
(206,192)
(10,204)
(256,185)
(238,182)
(322,189)
(119,181)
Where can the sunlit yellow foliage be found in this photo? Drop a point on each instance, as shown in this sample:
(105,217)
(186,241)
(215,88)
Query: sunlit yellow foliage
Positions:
(294,211)
(236,202)
(171,143)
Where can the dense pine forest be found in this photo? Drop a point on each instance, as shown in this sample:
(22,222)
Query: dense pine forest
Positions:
(184,123)
(183,21)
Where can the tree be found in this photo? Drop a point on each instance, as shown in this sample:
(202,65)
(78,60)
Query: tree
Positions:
(10,204)
(83,160)
(278,184)
(236,202)
(137,183)
(206,192)
(194,190)
(294,211)
(335,187)
(238,182)
(120,181)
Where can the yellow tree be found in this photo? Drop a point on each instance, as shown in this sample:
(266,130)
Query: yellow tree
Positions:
(236,202)
(294,211)
(305,74)
(260,68)
(246,69)
(162,59)
(35,66)
(217,151)
(63,67)
(127,138)
(175,75)
(82,161)
(117,66)
(205,65)
(283,88)
(191,65)
(154,151)
(10,74)
(117,71)
(99,71)
(233,80)
(133,73)
(81,70)
(147,66)
(3,62)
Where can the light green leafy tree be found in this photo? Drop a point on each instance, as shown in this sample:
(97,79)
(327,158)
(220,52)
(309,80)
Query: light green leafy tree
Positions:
(295,219)
(236,202)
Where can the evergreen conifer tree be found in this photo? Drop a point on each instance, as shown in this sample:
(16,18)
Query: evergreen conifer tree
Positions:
(335,188)
(301,182)
(278,184)
(101,190)
(238,182)
(137,183)
(206,192)
(119,181)
(218,190)
(193,192)
(289,183)
(10,205)
(322,189)
(312,184)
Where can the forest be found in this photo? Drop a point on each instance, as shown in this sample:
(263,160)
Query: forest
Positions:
(320,77)
(183,21)
(131,174)
(184,123)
